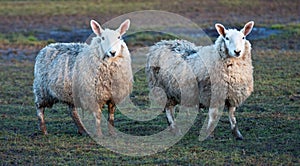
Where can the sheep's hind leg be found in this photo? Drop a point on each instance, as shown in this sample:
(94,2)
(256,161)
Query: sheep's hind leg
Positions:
(76,119)
(234,128)
(170,116)
(111,118)
(42,125)
(97,116)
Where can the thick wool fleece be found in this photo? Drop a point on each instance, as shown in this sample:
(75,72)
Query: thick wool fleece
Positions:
(219,78)
(77,74)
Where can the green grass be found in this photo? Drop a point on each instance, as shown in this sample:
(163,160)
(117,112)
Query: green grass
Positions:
(70,7)
(22,38)
(292,28)
(147,38)
(269,121)
(239,3)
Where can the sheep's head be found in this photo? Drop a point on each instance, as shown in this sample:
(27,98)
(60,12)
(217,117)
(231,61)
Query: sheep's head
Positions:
(234,39)
(111,40)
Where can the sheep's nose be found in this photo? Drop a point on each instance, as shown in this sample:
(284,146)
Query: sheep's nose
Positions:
(112,53)
(237,52)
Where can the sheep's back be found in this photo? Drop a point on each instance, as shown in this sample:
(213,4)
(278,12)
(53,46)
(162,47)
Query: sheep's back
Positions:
(53,72)
(170,66)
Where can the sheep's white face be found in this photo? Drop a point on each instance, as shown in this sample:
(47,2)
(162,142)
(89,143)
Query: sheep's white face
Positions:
(234,39)
(111,40)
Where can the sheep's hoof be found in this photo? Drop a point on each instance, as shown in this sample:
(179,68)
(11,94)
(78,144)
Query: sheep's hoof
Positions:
(237,134)
(211,135)
(113,134)
(206,138)
(207,134)
(175,130)
(44,131)
(99,134)
(82,132)
(240,137)
(111,130)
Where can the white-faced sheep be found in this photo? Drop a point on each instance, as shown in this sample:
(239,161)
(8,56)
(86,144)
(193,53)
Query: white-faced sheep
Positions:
(100,71)
(223,71)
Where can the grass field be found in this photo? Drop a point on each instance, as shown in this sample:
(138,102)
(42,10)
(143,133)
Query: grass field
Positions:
(269,119)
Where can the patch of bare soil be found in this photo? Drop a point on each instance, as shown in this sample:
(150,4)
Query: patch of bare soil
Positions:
(201,12)
(19,52)
(75,28)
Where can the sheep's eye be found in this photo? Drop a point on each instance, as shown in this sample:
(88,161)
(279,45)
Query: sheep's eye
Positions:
(243,37)
(119,37)
(226,38)
(102,38)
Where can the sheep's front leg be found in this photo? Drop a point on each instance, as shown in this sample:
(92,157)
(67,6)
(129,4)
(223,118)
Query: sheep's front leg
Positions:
(111,118)
(97,116)
(170,116)
(234,128)
(40,114)
(76,119)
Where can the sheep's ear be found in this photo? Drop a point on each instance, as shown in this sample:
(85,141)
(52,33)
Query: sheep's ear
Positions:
(247,28)
(96,27)
(124,27)
(221,29)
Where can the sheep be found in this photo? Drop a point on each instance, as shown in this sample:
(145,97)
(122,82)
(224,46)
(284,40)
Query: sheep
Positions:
(223,72)
(88,76)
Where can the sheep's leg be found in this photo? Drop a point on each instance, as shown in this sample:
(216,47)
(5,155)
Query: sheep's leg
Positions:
(111,118)
(76,119)
(234,128)
(97,116)
(40,114)
(212,121)
(170,116)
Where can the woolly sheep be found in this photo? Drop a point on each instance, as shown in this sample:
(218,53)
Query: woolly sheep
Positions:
(225,65)
(98,73)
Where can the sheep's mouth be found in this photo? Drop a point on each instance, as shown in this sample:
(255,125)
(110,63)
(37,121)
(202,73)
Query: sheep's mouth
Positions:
(229,65)
(235,55)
